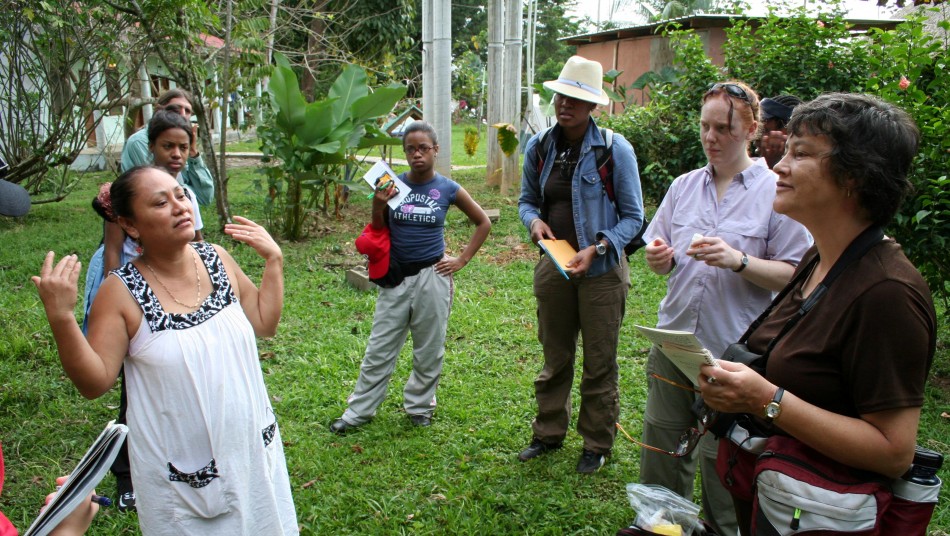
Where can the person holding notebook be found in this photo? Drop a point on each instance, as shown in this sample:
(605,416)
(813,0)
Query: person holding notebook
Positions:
(846,379)
(566,198)
(725,251)
(75,523)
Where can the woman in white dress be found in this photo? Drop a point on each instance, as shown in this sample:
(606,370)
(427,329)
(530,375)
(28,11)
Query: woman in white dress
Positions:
(205,449)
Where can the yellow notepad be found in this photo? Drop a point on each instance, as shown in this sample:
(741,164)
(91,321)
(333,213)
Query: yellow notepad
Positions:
(561,252)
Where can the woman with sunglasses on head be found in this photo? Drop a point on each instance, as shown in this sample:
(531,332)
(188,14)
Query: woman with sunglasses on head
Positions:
(415,294)
(725,251)
(182,320)
(847,379)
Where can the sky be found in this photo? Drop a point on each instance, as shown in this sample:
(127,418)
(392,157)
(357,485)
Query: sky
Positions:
(856,9)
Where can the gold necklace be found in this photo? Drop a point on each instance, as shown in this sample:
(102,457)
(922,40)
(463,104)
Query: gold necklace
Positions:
(194,257)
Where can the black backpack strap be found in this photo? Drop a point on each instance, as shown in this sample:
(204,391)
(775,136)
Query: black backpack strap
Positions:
(603,157)
(543,147)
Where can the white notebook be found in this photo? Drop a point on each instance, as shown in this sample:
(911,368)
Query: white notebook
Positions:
(88,473)
(682,348)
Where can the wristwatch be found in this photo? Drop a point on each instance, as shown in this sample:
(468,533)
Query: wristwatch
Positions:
(743,262)
(774,408)
(600,248)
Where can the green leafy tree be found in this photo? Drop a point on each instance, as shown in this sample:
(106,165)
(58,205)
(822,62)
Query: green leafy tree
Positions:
(312,143)
(553,24)
(63,66)
(826,57)
(175,32)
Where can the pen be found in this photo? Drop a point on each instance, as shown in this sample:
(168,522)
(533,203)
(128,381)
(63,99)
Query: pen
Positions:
(103,501)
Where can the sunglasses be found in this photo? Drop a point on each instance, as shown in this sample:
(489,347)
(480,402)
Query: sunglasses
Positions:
(732,89)
(688,439)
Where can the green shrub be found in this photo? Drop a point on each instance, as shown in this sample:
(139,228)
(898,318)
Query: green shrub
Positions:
(797,54)
(807,56)
(912,69)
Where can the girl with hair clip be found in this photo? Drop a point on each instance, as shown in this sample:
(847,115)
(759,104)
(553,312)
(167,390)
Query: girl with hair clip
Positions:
(170,138)
(182,320)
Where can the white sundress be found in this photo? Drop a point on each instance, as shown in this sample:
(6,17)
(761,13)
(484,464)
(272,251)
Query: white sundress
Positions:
(204,447)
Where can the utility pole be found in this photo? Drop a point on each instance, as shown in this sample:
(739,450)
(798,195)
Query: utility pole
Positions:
(496,60)
(437,76)
(514,21)
(529,55)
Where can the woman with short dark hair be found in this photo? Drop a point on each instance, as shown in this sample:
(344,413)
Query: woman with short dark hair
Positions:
(846,380)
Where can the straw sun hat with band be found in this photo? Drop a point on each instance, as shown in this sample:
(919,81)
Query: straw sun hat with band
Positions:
(581,79)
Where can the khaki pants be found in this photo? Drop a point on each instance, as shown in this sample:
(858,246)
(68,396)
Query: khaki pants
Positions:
(421,305)
(593,307)
(668,414)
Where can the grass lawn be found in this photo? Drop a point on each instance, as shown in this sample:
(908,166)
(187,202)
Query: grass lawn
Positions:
(458,477)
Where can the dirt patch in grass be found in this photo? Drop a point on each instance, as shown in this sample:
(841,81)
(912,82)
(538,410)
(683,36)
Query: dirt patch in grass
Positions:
(513,249)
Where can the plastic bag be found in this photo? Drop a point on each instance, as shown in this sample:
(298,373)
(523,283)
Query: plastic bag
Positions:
(662,511)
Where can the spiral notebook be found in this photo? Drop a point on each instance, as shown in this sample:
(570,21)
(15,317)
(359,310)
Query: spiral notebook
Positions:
(88,473)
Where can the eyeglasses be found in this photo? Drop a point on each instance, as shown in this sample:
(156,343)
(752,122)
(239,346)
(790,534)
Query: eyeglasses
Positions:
(424,149)
(732,89)
(688,439)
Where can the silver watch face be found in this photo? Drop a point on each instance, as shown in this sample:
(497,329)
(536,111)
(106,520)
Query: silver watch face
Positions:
(600,248)
(772,410)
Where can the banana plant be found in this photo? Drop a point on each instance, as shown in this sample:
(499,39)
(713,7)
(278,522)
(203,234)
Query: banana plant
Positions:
(312,145)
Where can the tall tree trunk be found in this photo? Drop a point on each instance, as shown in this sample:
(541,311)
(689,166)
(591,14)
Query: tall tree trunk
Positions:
(318,26)
(221,182)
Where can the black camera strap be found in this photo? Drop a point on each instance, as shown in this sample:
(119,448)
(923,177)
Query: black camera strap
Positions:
(858,247)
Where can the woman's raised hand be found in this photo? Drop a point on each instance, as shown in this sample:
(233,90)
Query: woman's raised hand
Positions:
(255,236)
(58,285)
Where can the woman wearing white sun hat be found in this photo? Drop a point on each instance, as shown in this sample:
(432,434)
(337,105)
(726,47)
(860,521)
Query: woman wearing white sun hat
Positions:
(564,197)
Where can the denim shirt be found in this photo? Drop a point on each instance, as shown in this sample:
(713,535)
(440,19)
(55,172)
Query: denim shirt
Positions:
(595,215)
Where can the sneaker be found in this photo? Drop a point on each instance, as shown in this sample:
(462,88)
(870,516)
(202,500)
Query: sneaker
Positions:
(590,462)
(420,420)
(126,502)
(341,427)
(537,448)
